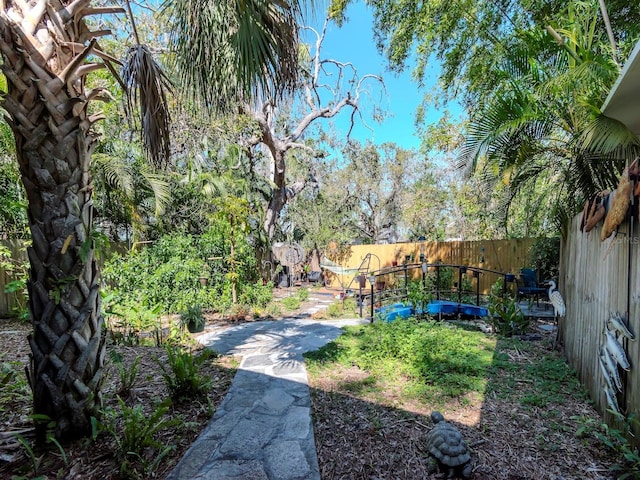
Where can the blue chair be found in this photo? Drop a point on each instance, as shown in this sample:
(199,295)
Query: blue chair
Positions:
(528,285)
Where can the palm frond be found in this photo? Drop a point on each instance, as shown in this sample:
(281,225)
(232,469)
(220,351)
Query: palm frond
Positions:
(119,171)
(146,89)
(505,126)
(117,174)
(161,191)
(607,135)
(227,49)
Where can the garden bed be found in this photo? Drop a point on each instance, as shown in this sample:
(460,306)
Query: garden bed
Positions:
(531,420)
(365,427)
(95,459)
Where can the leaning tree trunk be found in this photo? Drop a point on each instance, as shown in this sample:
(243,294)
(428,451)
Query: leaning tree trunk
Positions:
(44,61)
(281,194)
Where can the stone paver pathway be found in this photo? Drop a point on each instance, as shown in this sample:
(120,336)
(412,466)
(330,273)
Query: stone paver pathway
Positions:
(262,429)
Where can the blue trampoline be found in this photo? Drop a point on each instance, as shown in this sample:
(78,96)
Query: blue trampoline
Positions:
(397,310)
(435,307)
(447,307)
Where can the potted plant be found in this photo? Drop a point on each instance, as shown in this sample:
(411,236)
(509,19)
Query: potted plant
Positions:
(204,276)
(193,319)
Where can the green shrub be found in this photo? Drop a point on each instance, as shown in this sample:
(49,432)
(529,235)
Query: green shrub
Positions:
(136,438)
(127,322)
(342,308)
(256,294)
(505,315)
(440,278)
(419,294)
(273,310)
(167,272)
(181,372)
(303,294)
(350,306)
(291,303)
(334,310)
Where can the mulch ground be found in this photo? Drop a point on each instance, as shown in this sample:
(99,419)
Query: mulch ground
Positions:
(88,459)
(368,434)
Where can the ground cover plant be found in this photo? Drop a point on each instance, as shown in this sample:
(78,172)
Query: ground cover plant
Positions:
(517,403)
(433,361)
(150,415)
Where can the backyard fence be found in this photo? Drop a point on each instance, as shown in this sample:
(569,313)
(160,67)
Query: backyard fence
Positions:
(598,279)
(507,256)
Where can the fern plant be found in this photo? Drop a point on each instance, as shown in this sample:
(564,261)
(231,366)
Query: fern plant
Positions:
(50,442)
(182,372)
(126,373)
(136,435)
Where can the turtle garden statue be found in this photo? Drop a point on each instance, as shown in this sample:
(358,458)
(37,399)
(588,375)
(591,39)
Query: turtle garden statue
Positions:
(448,450)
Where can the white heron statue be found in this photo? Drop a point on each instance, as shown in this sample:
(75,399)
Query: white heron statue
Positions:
(556,300)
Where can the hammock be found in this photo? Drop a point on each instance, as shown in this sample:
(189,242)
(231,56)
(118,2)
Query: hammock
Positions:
(333,267)
(337,269)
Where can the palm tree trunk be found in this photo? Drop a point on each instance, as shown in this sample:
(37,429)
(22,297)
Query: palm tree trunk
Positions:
(47,108)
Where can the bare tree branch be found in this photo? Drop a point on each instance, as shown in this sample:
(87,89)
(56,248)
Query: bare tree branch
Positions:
(328,88)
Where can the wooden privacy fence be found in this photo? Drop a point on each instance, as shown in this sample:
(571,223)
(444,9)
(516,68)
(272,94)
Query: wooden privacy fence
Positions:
(507,256)
(596,280)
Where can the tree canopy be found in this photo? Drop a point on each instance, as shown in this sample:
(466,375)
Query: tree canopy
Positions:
(532,75)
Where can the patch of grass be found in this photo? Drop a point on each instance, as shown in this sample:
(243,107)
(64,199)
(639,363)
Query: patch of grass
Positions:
(291,303)
(435,361)
(343,308)
(535,379)
(329,353)
(359,385)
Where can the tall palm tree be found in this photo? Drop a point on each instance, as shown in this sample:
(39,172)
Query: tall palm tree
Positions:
(543,121)
(231,49)
(47,51)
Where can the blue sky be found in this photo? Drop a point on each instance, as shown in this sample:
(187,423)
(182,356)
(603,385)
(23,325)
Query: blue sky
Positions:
(354,42)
